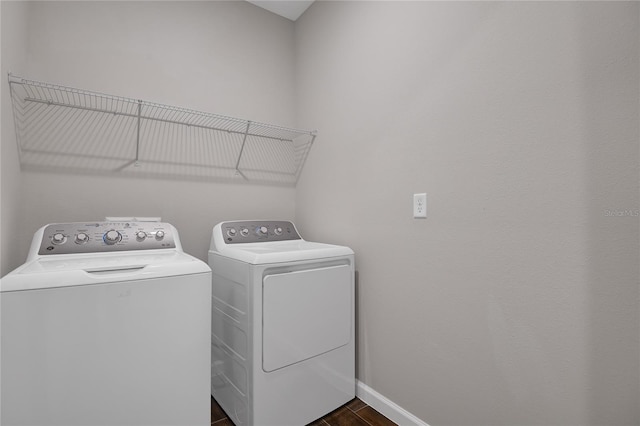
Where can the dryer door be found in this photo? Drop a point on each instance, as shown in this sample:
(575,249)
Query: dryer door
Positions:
(305,313)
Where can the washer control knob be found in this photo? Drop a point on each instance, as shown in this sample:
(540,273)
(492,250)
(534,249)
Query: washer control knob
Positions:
(232,232)
(263,230)
(81,238)
(141,235)
(159,235)
(58,238)
(278,231)
(112,237)
(244,232)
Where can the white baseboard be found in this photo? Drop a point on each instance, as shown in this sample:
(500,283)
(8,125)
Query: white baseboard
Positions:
(386,407)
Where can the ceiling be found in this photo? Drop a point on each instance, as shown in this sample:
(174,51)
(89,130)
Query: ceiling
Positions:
(290,9)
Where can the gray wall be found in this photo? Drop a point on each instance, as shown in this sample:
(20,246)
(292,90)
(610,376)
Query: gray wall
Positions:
(13,40)
(516,301)
(230,58)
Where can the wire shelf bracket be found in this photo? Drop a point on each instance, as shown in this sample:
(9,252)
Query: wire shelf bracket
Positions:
(61,128)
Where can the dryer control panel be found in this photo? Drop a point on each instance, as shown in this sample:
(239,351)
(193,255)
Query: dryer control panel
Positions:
(254,231)
(100,237)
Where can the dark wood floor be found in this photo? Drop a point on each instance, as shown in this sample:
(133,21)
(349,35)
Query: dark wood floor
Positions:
(354,413)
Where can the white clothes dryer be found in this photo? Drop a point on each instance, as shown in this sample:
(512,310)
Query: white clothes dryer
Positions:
(106,323)
(283,347)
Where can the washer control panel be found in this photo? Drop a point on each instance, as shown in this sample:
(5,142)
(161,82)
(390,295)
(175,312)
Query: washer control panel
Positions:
(95,237)
(247,231)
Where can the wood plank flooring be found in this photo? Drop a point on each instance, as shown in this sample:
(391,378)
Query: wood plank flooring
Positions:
(354,413)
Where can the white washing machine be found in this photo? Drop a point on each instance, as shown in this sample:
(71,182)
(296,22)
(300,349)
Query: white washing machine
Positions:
(283,347)
(106,323)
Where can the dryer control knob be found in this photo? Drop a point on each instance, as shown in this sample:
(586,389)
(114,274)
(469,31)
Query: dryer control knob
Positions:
(58,238)
(159,235)
(82,238)
(112,237)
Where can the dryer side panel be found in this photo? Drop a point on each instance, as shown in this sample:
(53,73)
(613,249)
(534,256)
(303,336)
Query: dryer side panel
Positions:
(231,354)
(305,313)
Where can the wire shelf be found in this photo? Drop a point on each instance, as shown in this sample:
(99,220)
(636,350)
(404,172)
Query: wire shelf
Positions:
(73,130)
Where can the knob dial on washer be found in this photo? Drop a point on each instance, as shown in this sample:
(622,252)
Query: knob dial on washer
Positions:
(262,230)
(58,238)
(244,232)
(232,232)
(278,231)
(159,235)
(112,237)
(81,238)
(141,235)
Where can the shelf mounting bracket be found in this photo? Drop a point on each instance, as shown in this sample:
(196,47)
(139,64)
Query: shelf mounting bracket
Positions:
(137,162)
(244,141)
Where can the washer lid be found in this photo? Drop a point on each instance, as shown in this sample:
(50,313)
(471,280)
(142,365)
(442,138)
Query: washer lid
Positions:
(281,251)
(86,269)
